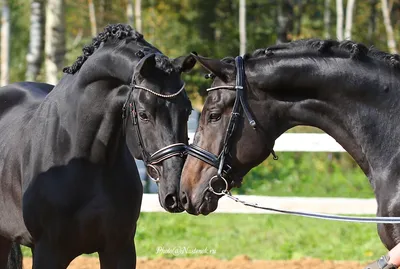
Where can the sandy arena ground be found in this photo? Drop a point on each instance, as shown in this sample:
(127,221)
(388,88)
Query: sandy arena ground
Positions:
(241,262)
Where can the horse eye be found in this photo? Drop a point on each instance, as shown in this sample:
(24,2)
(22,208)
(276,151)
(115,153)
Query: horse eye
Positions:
(143,116)
(215,117)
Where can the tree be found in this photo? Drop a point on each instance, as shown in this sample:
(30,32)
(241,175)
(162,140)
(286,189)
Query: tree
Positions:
(129,12)
(327,19)
(5,43)
(138,15)
(34,57)
(298,16)
(339,19)
(54,39)
(349,18)
(285,20)
(92,16)
(101,6)
(391,42)
(242,26)
(372,21)
(205,26)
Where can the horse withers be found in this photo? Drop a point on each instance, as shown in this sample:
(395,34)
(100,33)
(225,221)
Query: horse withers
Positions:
(344,88)
(68,180)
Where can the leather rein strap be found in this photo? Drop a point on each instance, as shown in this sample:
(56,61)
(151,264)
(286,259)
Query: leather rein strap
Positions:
(318,215)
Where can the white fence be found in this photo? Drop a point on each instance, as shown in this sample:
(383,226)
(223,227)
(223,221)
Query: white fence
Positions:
(307,204)
(307,142)
(299,142)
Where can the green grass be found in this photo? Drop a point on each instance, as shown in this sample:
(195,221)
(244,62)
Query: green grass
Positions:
(308,174)
(265,237)
(271,237)
(318,174)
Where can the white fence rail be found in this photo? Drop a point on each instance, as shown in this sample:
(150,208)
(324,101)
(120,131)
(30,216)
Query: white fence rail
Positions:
(307,142)
(308,204)
(289,142)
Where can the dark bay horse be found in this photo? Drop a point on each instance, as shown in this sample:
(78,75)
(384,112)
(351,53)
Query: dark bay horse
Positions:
(346,89)
(68,180)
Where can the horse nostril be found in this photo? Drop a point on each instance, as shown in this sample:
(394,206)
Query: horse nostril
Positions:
(171,201)
(184,199)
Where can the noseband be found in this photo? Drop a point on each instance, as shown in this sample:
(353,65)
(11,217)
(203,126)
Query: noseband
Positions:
(240,106)
(151,160)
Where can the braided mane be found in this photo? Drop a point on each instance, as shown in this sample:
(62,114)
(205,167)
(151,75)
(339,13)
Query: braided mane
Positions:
(114,31)
(330,48)
(119,32)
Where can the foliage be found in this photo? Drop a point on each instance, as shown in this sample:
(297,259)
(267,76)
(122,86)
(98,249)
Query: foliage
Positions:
(210,28)
(314,174)
(269,237)
(19,34)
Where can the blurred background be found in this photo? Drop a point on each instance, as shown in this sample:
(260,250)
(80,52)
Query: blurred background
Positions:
(40,37)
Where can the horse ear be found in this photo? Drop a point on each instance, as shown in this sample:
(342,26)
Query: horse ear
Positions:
(222,70)
(146,65)
(184,63)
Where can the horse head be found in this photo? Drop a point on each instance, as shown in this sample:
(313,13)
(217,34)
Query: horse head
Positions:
(144,101)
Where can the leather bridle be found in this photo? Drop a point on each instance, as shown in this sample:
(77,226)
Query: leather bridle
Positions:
(150,160)
(224,167)
(240,106)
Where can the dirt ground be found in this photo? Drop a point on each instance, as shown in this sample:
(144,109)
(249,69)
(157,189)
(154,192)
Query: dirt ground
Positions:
(240,262)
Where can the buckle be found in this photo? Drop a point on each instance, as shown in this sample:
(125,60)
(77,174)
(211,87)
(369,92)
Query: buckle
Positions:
(383,263)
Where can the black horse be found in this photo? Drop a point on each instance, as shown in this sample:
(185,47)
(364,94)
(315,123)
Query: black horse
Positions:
(346,89)
(68,180)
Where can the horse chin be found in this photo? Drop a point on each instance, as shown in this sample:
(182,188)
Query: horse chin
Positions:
(178,209)
(209,203)
(210,200)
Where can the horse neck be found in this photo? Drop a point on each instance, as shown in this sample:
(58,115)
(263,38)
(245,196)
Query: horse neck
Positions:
(89,106)
(354,102)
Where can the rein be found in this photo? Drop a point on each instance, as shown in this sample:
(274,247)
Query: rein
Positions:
(224,168)
(318,215)
(150,160)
